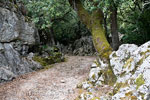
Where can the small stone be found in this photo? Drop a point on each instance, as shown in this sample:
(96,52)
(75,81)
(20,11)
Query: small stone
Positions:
(94,65)
(86,85)
(62,81)
(76,77)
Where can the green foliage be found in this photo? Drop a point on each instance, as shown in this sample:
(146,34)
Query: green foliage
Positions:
(144,22)
(133,18)
(55,15)
(67,28)
(58,15)
(135,38)
(89,5)
(44,11)
(52,56)
(134,22)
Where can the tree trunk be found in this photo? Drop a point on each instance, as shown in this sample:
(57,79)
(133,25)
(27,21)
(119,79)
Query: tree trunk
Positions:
(105,24)
(48,37)
(52,37)
(114,28)
(93,21)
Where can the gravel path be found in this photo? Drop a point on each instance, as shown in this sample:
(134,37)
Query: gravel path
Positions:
(57,83)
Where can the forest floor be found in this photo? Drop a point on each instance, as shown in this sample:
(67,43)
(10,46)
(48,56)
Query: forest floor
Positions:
(56,83)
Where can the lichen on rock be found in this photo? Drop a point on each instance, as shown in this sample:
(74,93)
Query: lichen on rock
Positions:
(135,68)
(131,67)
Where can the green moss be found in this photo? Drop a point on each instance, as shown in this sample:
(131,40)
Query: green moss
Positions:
(54,57)
(144,53)
(128,94)
(93,76)
(48,66)
(99,74)
(142,95)
(138,64)
(114,55)
(141,60)
(77,98)
(109,78)
(122,74)
(97,62)
(40,60)
(134,98)
(139,81)
(79,85)
(95,98)
(128,63)
(110,93)
(90,93)
(89,82)
(118,86)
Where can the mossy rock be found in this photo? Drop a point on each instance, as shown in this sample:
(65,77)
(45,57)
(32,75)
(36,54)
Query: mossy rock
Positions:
(109,77)
(79,85)
(118,86)
(54,57)
(139,81)
(40,60)
(48,66)
(95,98)
(128,63)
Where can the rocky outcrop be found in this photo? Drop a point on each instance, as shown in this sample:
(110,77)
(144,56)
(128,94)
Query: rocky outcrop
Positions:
(131,67)
(82,47)
(133,78)
(13,28)
(16,36)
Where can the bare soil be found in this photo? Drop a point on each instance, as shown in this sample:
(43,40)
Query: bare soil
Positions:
(56,83)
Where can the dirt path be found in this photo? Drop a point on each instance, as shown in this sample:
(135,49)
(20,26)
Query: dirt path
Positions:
(57,83)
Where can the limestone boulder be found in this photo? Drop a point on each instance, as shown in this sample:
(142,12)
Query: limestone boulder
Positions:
(130,65)
(13,27)
(84,46)
(13,64)
(16,36)
(133,78)
(8,26)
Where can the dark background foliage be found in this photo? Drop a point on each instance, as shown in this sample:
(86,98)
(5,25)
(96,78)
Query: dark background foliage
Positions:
(56,19)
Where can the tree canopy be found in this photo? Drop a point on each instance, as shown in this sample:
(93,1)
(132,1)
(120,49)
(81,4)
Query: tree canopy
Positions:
(132,18)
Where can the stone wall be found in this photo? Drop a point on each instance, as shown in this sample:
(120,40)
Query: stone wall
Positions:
(16,35)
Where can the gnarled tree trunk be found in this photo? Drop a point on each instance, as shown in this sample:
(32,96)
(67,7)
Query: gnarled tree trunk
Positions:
(94,23)
(114,27)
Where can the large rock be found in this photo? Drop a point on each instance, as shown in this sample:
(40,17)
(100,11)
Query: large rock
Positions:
(133,78)
(84,46)
(121,60)
(16,35)
(14,28)
(8,26)
(131,66)
(13,64)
